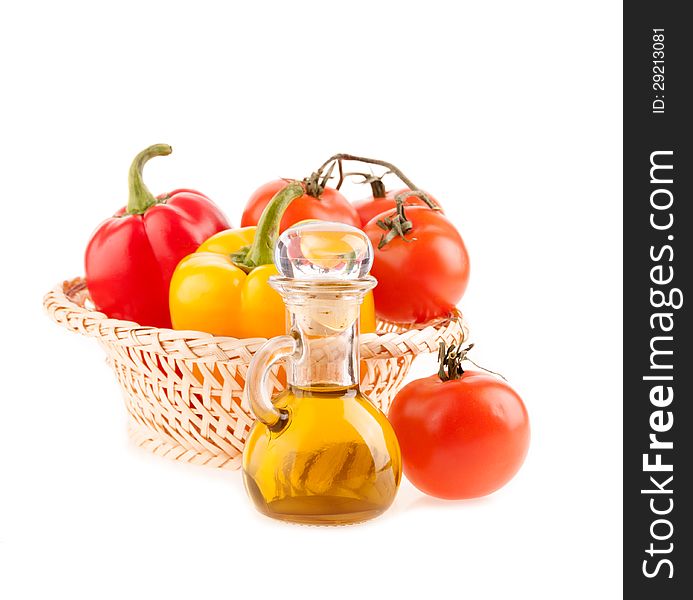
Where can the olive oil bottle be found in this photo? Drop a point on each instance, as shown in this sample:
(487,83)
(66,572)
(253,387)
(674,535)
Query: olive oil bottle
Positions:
(320,452)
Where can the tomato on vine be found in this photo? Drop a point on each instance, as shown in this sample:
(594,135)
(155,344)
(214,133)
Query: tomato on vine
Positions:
(421,264)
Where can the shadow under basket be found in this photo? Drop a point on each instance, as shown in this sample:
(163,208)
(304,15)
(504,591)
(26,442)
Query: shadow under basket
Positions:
(183,390)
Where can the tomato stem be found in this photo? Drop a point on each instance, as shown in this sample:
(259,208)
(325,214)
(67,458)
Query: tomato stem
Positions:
(316,183)
(450,362)
(395,225)
(140,198)
(419,194)
(375,181)
(378,188)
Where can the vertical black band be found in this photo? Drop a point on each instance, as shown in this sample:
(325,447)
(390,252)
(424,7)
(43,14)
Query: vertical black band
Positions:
(658,431)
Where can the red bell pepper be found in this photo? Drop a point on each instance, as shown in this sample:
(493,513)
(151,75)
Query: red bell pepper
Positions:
(131,256)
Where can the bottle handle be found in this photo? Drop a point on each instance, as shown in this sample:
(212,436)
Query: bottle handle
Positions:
(272,351)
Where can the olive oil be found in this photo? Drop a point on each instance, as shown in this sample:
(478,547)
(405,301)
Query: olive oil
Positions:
(335,461)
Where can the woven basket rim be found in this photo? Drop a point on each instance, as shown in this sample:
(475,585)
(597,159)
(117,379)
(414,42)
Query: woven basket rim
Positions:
(65,304)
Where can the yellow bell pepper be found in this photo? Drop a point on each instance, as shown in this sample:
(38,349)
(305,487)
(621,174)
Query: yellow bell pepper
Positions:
(222,288)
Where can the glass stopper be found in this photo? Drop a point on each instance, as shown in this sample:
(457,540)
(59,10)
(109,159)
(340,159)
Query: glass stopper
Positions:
(326,250)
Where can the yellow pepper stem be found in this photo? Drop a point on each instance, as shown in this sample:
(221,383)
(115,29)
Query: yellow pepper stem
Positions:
(261,251)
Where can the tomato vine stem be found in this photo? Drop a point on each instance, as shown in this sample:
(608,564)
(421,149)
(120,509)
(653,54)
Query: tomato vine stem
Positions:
(315,184)
(370,161)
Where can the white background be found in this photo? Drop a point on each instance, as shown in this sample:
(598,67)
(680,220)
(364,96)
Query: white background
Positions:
(508,112)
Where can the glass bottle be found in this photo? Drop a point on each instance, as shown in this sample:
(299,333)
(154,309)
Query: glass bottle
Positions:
(320,452)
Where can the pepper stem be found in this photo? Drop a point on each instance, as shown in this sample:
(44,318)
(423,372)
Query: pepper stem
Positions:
(140,198)
(261,252)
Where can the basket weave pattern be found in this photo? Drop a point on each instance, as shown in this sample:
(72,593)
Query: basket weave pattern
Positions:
(183,390)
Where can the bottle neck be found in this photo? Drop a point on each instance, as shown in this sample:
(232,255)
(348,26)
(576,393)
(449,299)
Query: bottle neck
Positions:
(328,333)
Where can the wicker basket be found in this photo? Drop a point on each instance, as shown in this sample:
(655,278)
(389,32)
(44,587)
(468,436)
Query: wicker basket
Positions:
(184,389)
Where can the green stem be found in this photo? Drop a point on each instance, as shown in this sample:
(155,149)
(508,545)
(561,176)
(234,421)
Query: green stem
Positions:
(141,198)
(261,252)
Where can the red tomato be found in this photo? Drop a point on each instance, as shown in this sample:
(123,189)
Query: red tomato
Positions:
(422,277)
(330,206)
(371,207)
(461,438)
